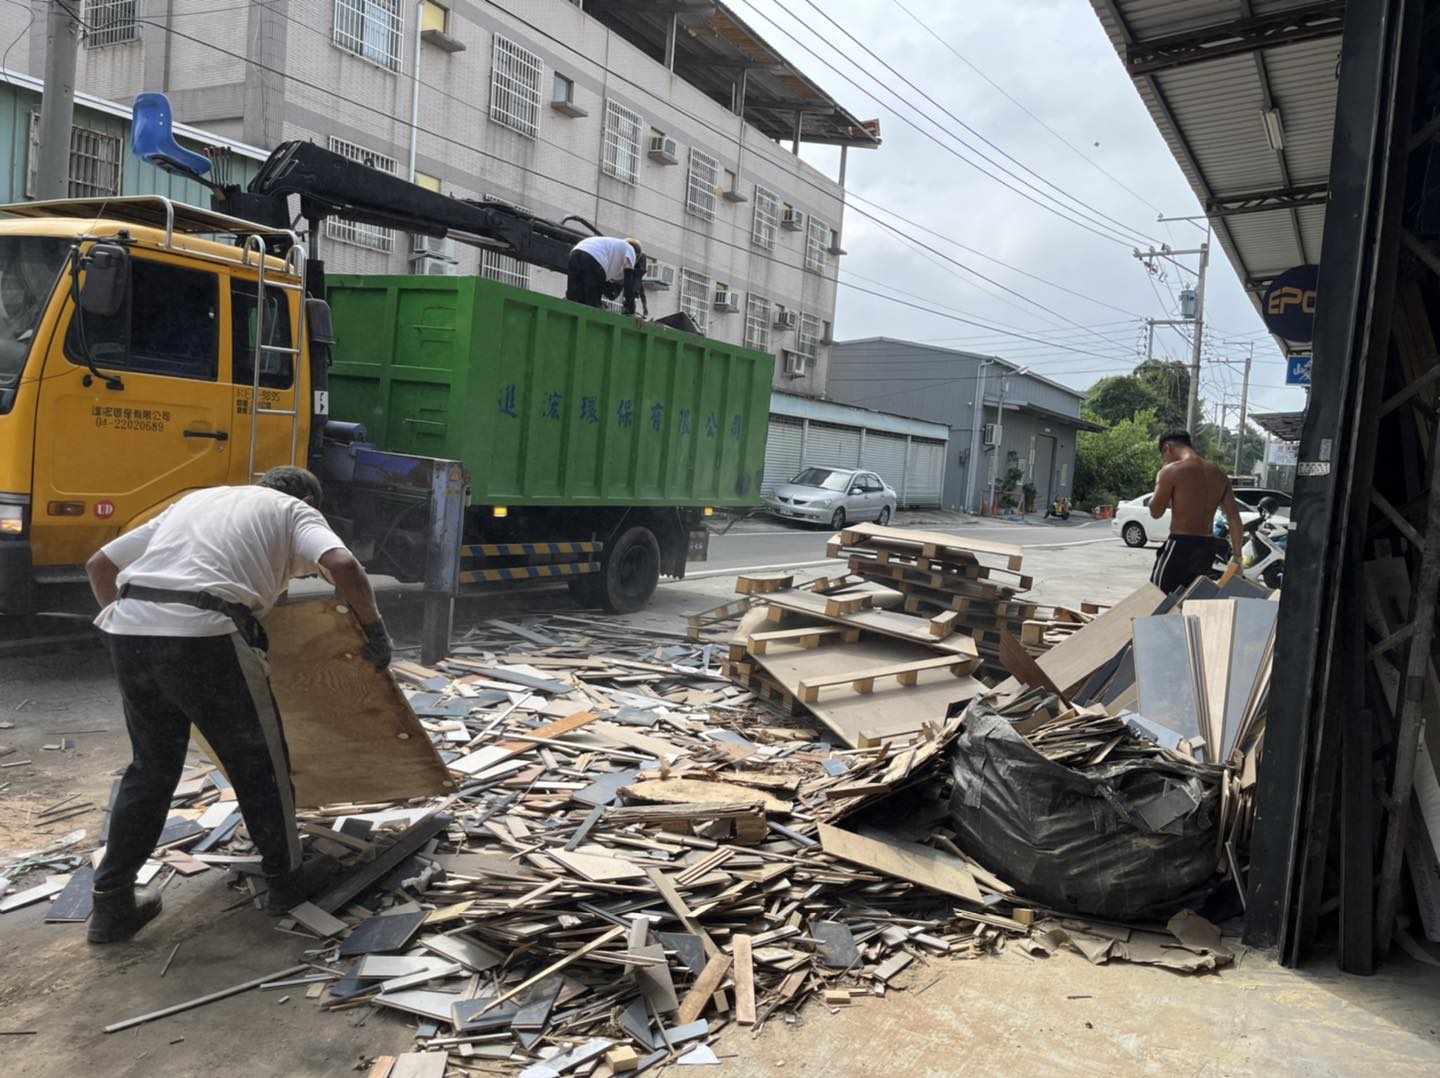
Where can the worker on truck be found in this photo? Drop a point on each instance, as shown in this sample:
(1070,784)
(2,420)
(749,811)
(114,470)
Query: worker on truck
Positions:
(182,597)
(601,265)
(1192,489)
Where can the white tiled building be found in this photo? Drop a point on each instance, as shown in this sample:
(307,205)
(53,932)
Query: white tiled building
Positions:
(559,110)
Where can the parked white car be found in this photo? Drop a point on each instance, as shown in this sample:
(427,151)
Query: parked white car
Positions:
(834,496)
(1134,524)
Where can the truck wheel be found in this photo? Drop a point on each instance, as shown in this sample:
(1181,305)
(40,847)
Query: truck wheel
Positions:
(631,571)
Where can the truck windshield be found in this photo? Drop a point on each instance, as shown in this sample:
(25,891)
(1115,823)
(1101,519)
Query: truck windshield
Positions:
(28,268)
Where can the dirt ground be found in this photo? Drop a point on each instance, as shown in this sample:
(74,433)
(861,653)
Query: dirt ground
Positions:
(1009,1014)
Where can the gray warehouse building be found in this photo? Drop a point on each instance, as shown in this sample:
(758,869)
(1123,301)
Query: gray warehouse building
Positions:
(943,385)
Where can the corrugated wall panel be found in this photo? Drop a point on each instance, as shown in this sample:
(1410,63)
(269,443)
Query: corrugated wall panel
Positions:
(782,452)
(925,473)
(836,446)
(885,455)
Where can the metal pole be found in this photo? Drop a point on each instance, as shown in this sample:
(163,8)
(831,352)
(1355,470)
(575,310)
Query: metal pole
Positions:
(1244,402)
(999,435)
(57,105)
(670,31)
(415,89)
(977,420)
(1150,339)
(1193,404)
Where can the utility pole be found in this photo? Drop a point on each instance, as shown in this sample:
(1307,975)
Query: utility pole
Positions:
(57,104)
(1192,404)
(977,422)
(1244,402)
(1000,426)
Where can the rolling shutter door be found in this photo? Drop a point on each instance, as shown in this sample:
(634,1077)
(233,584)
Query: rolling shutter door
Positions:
(885,456)
(782,452)
(925,477)
(832,445)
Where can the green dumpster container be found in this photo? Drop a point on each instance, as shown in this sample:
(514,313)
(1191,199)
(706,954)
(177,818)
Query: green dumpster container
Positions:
(547,402)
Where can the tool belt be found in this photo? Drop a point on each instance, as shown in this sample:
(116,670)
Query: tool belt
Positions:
(245,620)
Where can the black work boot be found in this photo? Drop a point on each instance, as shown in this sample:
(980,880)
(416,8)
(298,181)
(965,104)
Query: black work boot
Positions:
(120,913)
(284,893)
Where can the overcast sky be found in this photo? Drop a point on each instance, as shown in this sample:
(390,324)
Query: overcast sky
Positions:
(1052,57)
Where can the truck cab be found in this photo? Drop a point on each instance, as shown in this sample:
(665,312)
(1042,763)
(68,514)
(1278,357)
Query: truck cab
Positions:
(133,342)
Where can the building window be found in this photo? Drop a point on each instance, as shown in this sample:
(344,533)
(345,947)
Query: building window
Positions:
(807,338)
(817,235)
(371,29)
(111,22)
(758,316)
(502,267)
(515,87)
(562,90)
(435,17)
(700,188)
(96,161)
(371,236)
(767,218)
(695,296)
(622,143)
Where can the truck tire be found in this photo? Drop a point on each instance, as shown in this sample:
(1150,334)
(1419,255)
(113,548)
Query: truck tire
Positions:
(631,571)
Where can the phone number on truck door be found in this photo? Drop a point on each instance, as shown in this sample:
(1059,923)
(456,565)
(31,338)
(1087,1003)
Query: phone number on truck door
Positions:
(152,420)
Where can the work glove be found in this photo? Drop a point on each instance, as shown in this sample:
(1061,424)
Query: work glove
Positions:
(378,648)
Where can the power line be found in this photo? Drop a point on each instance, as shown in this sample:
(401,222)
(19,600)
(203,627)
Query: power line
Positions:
(1107,233)
(1009,157)
(1021,106)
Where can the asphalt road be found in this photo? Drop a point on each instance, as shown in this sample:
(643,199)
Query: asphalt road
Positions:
(756,545)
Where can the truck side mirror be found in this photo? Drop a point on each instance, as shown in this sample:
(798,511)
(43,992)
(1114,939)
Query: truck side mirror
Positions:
(107,275)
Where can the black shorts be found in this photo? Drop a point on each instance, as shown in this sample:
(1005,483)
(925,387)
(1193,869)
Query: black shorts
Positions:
(1182,559)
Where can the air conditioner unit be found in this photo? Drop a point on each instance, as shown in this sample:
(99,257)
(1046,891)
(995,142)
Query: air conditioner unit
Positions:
(664,150)
(991,435)
(795,364)
(726,300)
(659,274)
(793,220)
(786,319)
(432,246)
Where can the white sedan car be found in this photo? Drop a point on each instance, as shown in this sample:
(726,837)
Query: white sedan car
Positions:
(834,496)
(1134,524)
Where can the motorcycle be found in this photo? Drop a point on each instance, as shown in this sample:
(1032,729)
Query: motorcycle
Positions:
(1263,552)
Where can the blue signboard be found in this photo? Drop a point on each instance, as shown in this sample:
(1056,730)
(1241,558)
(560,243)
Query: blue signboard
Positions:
(1297,370)
(1289,304)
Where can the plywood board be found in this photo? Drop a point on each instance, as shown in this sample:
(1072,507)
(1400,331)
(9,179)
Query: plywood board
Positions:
(703,792)
(934,869)
(1215,619)
(1071,662)
(884,622)
(350,731)
(890,708)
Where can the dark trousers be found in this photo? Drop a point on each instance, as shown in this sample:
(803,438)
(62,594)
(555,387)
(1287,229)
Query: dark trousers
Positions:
(585,279)
(221,686)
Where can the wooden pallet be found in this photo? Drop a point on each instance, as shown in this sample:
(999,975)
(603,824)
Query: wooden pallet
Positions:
(930,544)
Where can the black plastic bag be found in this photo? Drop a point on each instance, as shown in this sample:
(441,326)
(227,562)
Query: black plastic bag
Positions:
(1120,840)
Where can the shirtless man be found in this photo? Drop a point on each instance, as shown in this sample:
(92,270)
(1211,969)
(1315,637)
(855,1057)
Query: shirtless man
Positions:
(1192,489)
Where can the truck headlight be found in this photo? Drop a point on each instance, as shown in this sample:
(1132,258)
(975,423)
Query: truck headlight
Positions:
(12,519)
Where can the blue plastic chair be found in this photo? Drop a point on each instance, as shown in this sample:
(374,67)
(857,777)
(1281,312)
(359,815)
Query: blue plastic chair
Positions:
(152,137)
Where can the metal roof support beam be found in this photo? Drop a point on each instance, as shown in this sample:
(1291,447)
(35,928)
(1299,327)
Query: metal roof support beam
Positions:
(1319,20)
(1282,198)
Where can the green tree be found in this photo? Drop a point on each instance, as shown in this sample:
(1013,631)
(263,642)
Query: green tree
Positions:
(1118,463)
(1159,386)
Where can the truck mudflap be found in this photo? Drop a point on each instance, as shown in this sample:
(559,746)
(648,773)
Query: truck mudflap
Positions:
(17,578)
(699,549)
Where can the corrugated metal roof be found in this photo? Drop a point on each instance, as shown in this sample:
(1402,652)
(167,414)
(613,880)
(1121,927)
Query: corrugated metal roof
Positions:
(1209,109)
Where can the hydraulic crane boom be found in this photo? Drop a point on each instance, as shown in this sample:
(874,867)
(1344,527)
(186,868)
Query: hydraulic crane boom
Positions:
(331,185)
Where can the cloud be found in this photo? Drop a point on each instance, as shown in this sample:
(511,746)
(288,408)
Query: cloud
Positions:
(1053,57)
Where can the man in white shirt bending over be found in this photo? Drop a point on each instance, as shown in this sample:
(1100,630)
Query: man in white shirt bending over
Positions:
(600,264)
(183,596)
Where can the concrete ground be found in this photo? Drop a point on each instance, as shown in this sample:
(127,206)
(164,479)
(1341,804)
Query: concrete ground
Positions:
(1007,1014)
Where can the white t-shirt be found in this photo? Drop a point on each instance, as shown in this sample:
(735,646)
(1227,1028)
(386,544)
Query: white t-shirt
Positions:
(241,544)
(615,256)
